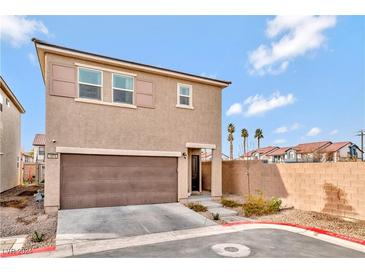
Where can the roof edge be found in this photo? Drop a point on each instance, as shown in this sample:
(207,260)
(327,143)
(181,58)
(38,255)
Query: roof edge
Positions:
(162,69)
(11,95)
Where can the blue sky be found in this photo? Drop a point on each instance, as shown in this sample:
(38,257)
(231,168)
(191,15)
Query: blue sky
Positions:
(299,79)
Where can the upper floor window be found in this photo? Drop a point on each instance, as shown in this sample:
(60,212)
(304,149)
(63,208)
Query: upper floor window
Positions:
(7,102)
(1,102)
(123,88)
(90,83)
(41,151)
(184,95)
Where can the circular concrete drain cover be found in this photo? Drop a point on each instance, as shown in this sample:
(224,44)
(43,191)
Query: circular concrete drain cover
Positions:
(231,250)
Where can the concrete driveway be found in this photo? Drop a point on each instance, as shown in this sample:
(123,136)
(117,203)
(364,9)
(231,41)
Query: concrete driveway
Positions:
(76,225)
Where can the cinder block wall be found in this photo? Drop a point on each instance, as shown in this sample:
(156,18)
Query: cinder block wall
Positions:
(334,188)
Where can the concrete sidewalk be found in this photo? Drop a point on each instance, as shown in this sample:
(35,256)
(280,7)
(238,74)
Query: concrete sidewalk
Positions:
(266,241)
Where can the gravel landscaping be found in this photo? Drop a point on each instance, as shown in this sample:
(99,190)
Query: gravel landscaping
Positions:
(349,227)
(20,214)
(352,228)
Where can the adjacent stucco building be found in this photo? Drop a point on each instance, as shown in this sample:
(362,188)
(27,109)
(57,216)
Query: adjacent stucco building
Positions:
(120,132)
(10,142)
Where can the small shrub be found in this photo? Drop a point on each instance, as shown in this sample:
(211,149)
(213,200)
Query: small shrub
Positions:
(37,237)
(273,205)
(257,205)
(197,207)
(229,203)
(215,216)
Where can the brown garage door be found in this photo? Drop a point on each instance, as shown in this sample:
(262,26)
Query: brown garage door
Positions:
(99,180)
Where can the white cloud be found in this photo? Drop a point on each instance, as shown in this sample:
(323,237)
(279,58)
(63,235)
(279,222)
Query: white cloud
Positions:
(314,131)
(281,130)
(295,126)
(258,104)
(279,141)
(285,129)
(300,35)
(33,59)
(236,108)
(17,30)
(334,132)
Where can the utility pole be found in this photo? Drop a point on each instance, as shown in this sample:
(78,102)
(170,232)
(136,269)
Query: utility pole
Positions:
(361,134)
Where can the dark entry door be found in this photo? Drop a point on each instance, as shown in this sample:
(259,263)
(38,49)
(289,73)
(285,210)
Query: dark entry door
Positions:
(195,173)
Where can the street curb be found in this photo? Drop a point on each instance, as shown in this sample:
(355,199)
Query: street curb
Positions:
(31,251)
(313,229)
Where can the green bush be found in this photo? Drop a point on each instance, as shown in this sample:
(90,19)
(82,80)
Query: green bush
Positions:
(215,216)
(257,205)
(197,207)
(37,237)
(229,203)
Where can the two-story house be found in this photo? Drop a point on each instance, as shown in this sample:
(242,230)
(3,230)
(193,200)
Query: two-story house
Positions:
(121,132)
(10,122)
(39,144)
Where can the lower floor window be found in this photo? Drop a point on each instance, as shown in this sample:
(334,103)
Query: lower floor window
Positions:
(90,92)
(123,96)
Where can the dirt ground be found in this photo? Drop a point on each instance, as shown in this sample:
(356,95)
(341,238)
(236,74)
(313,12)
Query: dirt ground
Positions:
(20,214)
(349,227)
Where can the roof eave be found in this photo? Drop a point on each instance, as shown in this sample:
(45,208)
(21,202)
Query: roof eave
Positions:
(12,96)
(44,47)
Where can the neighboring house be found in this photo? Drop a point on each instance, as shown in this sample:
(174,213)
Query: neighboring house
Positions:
(39,144)
(39,156)
(26,157)
(10,121)
(310,152)
(341,151)
(259,154)
(207,156)
(282,155)
(120,132)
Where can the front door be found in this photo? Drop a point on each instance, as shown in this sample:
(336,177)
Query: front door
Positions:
(195,182)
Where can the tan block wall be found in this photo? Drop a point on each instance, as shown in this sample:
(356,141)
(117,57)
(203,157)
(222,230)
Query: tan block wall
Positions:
(334,188)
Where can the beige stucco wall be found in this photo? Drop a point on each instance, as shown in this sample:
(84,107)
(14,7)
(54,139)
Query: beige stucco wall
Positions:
(334,188)
(162,128)
(9,145)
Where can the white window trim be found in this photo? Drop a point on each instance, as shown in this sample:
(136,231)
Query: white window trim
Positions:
(123,89)
(83,83)
(190,106)
(105,69)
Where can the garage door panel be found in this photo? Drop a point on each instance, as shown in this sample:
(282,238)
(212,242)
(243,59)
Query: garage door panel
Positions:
(99,181)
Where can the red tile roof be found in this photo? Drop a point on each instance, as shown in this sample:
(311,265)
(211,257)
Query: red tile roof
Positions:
(311,147)
(39,140)
(278,152)
(261,151)
(335,147)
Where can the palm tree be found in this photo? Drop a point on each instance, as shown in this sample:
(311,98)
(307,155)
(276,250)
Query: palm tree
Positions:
(259,135)
(231,130)
(244,135)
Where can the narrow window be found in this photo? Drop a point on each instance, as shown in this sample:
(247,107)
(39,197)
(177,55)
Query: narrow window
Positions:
(7,102)
(1,103)
(184,93)
(123,89)
(90,82)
